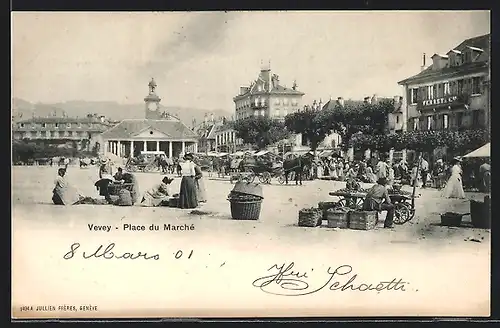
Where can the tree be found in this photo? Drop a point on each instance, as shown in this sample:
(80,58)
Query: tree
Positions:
(355,117)
(310,124)
(260,131)
(424,141)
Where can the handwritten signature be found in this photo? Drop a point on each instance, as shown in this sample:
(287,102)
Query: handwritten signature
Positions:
(287,282)
(107,253)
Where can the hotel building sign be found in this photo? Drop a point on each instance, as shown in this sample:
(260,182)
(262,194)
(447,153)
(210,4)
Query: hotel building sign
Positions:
(441,102)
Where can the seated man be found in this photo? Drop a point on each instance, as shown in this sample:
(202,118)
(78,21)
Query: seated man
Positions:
(375,198)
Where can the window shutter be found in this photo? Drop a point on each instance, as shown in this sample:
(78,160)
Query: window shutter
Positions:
(422,123)
(439,122)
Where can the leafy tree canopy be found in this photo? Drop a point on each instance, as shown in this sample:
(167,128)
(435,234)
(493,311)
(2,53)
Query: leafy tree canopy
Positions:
(310,124)
(260,131)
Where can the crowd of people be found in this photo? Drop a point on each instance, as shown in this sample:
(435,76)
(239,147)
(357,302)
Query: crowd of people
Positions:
(436,176)
(122,188)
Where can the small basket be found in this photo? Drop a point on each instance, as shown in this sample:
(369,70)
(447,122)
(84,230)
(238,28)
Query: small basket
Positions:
(245,210)
(310,217)
(362,220)
(324,206)
(337,218)
(173,202)
(450,219)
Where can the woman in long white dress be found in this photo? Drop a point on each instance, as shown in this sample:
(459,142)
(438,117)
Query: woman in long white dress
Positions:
(454,187)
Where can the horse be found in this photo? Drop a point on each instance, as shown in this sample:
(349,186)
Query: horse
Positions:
(298,166)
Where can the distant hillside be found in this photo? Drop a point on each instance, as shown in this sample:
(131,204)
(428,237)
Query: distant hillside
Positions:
(22,109)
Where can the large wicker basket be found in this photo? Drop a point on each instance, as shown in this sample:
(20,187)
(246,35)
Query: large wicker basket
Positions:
(337,218)
(245,210)
(310,217)
(363,220)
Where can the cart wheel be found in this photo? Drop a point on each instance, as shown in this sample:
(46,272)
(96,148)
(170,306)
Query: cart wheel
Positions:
(281,178)
(359,203)
(412,214)
(342,202)
(232,179)
(265,178)
(251,178)
(401,213)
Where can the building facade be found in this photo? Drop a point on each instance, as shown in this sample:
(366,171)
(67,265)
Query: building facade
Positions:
(267,97)
(156,132)
(226,140)
(453,92)
(81,133)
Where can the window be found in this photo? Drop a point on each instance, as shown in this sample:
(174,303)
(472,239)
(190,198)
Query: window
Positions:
(285,112)
(79,125)
(277,112)
(460,86)
(256,113)
(435,93)
(415,124)
(256,101)
(277,101)
(44,125)
(429,122)
(259,87)
(397,119)
(285,101)
(294,102)
(445,121)
(21,125)
(56,125)
(430,92)
(446,90)
(413,95)
(460,117)
(262,112)
(262,102)
(476,85)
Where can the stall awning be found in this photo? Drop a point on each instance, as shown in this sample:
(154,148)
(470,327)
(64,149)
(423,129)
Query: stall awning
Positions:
(483,151)
(238,153)
(326,153)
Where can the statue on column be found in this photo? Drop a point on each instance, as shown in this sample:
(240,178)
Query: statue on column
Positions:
(152,86)
(295,86)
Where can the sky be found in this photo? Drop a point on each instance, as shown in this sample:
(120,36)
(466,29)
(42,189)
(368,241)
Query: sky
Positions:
(200,59)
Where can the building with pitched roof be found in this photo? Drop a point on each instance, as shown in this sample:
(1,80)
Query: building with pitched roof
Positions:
(81,133)
(453,92)
(267,97)
(156,132)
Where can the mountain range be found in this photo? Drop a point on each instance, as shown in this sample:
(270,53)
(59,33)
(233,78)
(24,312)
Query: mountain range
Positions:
(22,109)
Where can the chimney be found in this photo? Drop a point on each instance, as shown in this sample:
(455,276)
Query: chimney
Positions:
(211,117)
(205,119)
(340,101)
(320,104)
(367,100)
(423,67)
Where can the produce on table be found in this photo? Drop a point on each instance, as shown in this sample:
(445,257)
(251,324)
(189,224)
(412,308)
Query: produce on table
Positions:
(346,190)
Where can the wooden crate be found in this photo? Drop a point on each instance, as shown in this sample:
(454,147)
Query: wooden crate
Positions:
(362,220)
(310,217)
(336,218)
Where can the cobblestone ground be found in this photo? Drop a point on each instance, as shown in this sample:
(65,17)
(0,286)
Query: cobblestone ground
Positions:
(415,248)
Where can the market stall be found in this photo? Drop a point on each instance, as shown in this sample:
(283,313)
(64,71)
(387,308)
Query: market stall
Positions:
(404,209)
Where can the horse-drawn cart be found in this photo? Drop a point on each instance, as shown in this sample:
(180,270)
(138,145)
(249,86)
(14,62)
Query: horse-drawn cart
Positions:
(404,209)
(142,164)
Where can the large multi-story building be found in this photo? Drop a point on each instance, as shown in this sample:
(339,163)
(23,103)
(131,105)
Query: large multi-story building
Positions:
(267,97)
(82,133)
(453,92)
